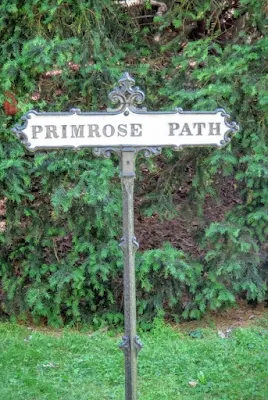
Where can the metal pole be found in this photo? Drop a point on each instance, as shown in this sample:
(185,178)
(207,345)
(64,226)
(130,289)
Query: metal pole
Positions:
(129,245)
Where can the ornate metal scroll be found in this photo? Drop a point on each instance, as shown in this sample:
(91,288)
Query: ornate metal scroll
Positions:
(232,125)
(108,151)
(18,130)
(126,95)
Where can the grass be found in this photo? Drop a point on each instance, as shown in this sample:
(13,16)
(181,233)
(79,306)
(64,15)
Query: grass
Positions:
(35,365)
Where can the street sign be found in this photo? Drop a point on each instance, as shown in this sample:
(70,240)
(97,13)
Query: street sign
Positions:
(126,126)
(126,130)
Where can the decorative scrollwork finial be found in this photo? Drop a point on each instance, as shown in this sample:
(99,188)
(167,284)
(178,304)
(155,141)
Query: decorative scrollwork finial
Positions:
(18,130)
(126,95)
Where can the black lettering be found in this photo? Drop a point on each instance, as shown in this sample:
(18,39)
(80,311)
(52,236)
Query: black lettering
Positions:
(93,129)
(199,126)
(186,129)
(122,130)
(36,129)
(77,131)
(108,130)
(51,130)
(135,129)
(172,128)
(64,131)
(213,128)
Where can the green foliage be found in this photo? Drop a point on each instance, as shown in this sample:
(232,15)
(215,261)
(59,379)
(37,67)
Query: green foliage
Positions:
(59,255)
(167,280)
(226,69)
(62,245)
(38,365)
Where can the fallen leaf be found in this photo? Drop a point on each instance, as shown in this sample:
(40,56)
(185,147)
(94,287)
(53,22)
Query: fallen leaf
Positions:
(193,383)
(221,334)
(10,103)
(49,365)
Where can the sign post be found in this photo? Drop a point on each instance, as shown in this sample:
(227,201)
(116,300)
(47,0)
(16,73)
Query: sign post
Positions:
(129,245)
(126,130)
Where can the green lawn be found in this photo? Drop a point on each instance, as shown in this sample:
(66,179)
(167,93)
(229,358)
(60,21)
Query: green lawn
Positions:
(38,366)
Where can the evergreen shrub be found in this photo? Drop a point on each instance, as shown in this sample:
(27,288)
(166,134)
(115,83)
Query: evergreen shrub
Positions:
(61,211)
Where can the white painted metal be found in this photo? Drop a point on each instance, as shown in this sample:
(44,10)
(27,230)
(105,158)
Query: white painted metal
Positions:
(76,129)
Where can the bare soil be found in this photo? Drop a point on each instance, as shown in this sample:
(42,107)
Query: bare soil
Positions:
(184,231)
(242,315)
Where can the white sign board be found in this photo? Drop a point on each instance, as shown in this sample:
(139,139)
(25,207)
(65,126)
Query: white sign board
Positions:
(127,126)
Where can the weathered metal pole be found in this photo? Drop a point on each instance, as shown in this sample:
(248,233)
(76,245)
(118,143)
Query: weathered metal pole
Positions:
(130,343)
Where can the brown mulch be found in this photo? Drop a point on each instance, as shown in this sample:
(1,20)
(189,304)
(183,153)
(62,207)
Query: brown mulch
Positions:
(242,315)
(183,230)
